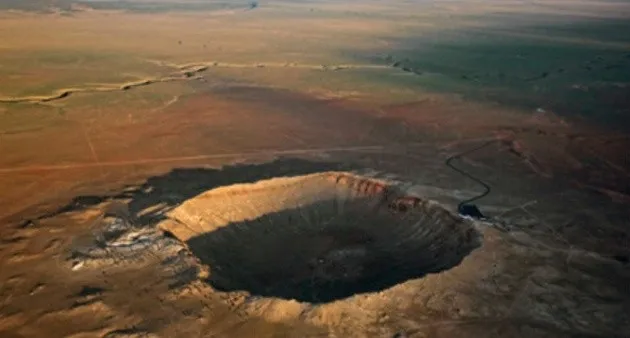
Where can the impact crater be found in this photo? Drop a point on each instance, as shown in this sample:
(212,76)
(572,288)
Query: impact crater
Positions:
(318,238)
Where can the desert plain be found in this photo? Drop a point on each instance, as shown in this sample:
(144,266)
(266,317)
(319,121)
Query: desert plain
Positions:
(181,168)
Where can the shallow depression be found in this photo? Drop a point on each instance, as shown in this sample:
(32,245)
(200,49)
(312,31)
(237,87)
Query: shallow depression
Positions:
(318,238)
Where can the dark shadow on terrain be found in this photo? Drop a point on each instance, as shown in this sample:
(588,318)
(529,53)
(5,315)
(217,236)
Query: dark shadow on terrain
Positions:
(577,69)
(322,252)
(179,185)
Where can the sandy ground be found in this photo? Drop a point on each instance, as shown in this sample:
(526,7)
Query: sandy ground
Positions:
(127,132)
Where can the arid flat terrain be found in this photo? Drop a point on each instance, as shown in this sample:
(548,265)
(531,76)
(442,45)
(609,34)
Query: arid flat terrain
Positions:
(159,167)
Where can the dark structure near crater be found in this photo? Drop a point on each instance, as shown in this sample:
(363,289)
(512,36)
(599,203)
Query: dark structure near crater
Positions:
(318,238)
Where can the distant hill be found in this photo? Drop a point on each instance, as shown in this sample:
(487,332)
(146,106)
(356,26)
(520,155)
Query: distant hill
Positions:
(48,6)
